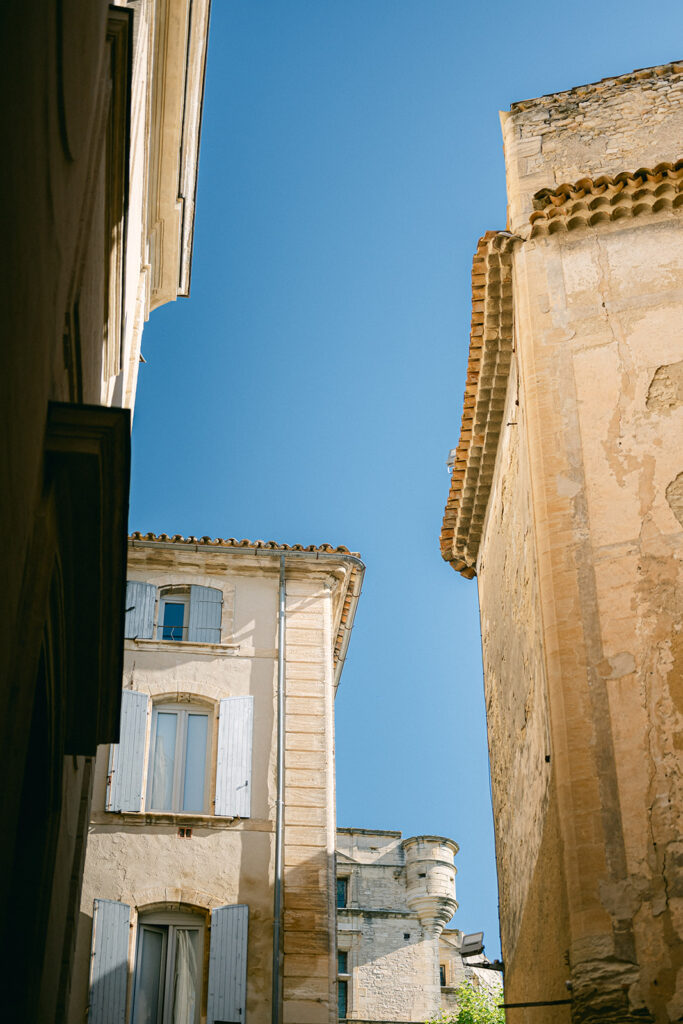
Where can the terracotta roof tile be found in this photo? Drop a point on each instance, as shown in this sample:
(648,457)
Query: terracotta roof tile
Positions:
(590,201)
(487,372)
(232,542)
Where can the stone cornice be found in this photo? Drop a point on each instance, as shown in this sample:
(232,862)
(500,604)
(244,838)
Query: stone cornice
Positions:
(487,372)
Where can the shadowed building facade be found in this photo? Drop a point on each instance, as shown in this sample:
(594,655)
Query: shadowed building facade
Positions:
(566,504)
(101,126)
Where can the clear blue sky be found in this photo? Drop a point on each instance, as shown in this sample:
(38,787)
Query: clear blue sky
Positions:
(310,388)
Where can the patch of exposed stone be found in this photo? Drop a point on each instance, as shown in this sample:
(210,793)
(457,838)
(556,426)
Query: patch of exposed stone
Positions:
(580,93)
(487,373)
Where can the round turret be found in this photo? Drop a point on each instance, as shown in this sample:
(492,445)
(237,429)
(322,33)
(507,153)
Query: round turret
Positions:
(430,873)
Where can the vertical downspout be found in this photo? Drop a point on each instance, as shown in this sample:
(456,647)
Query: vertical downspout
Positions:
(279,809)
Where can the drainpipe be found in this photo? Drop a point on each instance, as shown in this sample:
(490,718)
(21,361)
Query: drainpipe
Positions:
(279,809)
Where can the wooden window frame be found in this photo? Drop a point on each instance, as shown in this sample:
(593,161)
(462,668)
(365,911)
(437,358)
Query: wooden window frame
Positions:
(182,711)
(170,922)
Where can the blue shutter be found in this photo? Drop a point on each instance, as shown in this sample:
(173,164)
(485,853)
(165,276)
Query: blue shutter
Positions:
(206,606)
(140,599)
(228,965)
(233,763)
(127,757)
(109,964)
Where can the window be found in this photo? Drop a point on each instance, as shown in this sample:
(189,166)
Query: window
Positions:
(342,983)
(342,997)
(173,615)
(168,969)
(442,975)
(342,892)
(183,613)
(168,972)
(179,750)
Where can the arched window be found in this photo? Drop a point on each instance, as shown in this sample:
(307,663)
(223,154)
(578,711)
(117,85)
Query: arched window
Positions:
(168,968)
(174,613)
(179,758)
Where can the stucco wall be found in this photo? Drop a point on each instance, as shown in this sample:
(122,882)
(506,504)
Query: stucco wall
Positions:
(140,859)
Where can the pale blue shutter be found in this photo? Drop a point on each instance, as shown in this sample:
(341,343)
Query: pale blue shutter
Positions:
(127,757)
(140,599)
(233,763)
(109,963)
(228,965)
(206,605)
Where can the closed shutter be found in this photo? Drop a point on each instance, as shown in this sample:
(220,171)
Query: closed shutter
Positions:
(227,996)
(140,599)
(109,962)
(206,606)
(127,757)
(233,763)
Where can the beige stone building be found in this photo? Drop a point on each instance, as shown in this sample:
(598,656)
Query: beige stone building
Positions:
(396,960)
(214,816)
(101,127)
(566,502)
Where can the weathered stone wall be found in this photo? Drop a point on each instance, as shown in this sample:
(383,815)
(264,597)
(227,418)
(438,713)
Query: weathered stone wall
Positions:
(394,955)
(615,125)
(393,964)
(514,670)
(579,565)
(599,346)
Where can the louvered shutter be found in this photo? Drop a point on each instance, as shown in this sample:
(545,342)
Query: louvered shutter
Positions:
(226,1003)
(206,605)
(140,598)
(233,764)
(127,757)
(109,963)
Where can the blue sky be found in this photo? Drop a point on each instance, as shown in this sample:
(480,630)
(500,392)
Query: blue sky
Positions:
(311,387)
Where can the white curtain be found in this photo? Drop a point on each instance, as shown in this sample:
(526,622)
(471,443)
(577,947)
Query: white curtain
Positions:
(185,982)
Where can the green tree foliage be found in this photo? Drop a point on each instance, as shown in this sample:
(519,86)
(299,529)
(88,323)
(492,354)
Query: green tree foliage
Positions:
(475,1006)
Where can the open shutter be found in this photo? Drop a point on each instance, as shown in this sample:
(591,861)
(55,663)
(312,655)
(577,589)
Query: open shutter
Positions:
(140,599)
(228,965)
(206,606)
(233,764)
(109,963)
(127,757)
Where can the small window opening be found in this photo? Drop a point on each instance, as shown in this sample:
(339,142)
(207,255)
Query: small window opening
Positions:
(342,892)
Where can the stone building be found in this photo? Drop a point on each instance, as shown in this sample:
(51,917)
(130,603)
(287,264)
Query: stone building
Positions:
(214,816)
(396,961)
(566,502)
(101,114)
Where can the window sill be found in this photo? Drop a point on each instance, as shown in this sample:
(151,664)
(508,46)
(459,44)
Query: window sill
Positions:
(184,646)
(209,821)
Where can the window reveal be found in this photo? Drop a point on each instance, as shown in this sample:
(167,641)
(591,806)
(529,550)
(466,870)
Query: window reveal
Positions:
(342,892)
(178,760)
(168,971)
